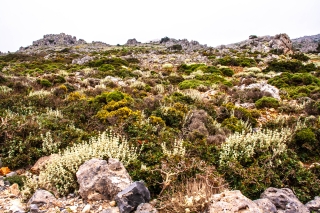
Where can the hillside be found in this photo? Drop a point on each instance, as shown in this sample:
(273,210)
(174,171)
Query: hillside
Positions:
(190,121)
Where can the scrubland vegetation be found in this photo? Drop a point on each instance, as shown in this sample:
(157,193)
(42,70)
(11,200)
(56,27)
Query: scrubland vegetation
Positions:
(174,126)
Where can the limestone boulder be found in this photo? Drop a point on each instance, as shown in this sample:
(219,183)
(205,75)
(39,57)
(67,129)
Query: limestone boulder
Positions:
(102,180)
(314,205)
(232,202)
(284,200)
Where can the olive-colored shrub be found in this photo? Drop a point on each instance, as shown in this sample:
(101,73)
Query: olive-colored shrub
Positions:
(267,102)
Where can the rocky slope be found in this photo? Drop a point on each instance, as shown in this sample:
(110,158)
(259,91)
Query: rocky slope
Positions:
(307,43)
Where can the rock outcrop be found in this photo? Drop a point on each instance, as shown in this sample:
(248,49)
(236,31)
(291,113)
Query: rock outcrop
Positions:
(58,39)
(99,179)
(284,200)
(132,42)
(280,43)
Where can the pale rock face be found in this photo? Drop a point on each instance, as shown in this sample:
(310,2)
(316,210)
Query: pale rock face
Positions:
(284,200)
(266,205)
(146,208)
(232,202)
(102,180)
(82,61)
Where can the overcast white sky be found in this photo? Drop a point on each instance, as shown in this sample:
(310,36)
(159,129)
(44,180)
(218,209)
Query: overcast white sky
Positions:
(210,22)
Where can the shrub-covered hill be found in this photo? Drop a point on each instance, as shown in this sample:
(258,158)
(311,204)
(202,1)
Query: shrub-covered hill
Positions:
(242,119)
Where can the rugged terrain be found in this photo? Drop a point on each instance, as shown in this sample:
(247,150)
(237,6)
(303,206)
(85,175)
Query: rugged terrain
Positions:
(194,124)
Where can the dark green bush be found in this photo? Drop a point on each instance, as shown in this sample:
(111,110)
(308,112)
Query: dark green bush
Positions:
(192,67)
(16,179)
(241,61)
(106,67)
(293,66)
(300,57)
(267,102)
(227,72)
(44,82)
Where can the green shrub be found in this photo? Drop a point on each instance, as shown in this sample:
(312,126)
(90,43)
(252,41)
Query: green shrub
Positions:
(192,67)
(190,84)
(241,61)
(289,66)
(16,179)
(106,67)
(300,57)
(267,102)
(44,82)
(227,72)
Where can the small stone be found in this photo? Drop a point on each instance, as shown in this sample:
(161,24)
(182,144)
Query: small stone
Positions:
(11,174)
(73,208)
(41,197)
(86,209)
(14,189)
(111,210)
(112,203)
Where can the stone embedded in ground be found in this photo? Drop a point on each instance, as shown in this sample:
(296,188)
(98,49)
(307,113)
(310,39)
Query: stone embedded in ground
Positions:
(266,205)
(314,205)
(14,189)
(284,200)
(131,197)
(231,202)
(41,197)
(102,180)
(146,208)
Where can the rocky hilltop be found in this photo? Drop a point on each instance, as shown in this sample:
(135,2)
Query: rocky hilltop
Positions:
(307,43)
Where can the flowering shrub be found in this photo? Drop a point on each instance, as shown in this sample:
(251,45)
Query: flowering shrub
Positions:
(59,175)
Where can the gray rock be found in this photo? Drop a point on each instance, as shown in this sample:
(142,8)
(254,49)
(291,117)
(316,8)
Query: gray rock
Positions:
(231,202)
(11,174)
(34,208)
(284,200)
(146,208)
(132,42)
(266,205)
(131,197)
(41,197)
(102,180)
(0,158)
(263,87)
(83,60)
(314,205)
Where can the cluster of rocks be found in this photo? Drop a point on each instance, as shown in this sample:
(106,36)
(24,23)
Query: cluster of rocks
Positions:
(132,42)
(104,187)
(187,46)
(280,43)
(307,43)
(58,39)
(272,200)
